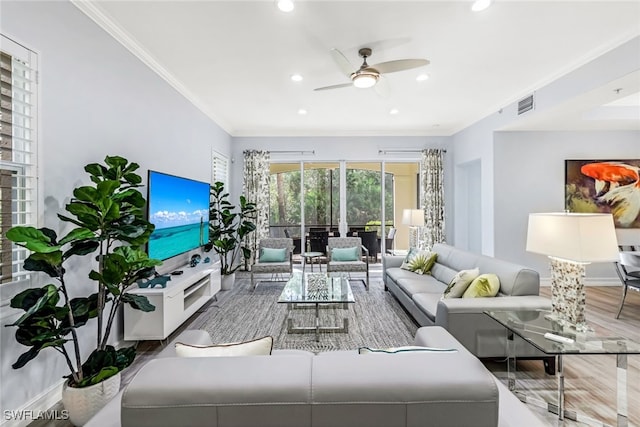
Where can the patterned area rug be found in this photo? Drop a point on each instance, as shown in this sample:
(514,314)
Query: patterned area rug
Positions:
(375,320)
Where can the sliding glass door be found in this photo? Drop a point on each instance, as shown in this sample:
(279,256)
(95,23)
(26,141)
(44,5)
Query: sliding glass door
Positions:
(343,198)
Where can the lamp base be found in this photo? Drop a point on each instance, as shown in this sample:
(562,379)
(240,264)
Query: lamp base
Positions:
(414,238)
(568,298)
(564,325)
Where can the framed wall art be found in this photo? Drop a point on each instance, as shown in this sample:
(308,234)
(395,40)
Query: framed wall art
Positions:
(604,186)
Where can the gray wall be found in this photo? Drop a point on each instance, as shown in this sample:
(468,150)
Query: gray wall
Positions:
(482,144)
(96,99)
(529,177)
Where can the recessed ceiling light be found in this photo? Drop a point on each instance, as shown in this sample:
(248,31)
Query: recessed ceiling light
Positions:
(394,111)
(422,77)
(480,5)
(296,77)
(302,112)
(285,5)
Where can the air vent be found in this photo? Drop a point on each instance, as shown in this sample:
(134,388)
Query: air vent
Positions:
(525,104)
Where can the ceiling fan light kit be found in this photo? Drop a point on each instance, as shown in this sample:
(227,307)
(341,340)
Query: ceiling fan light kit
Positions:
(365,80)
(480,5)
(285,5)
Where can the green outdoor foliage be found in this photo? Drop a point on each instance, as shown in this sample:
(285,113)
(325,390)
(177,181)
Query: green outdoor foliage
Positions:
(321,196)
(228,228)
(109,222)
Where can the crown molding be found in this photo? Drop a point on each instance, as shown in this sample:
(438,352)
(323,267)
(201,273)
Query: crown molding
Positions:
(132,45)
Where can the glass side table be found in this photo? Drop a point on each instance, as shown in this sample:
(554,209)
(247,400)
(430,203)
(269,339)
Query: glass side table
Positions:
(532,325)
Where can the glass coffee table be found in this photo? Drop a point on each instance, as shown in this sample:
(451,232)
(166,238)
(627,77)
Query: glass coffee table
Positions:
(316,290)
(534,326)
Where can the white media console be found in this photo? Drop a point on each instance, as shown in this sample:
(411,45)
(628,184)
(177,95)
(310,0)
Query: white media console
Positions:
(179,300)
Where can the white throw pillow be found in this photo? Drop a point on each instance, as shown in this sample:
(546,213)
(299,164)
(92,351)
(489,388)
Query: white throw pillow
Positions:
(405,349)
(460,283)
(257,347)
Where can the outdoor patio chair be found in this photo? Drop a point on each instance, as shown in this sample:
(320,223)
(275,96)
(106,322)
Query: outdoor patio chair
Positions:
(271,257)
(370,241)
(346,261)
(388,241)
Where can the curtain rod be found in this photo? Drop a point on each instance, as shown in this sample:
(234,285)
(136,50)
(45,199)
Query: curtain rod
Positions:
(301,152)
(403,151)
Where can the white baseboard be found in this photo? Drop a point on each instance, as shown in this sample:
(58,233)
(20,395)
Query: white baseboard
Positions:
(588,281)
(38,407)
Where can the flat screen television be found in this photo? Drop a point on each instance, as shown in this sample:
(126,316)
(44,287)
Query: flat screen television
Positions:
(179,209)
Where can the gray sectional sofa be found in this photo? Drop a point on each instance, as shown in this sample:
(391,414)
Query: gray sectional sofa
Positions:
(421,296)
(298,388)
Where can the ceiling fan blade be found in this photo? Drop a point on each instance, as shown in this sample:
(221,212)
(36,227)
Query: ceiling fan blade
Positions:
(382,88)
(343,63)
(399,65)
(334,86)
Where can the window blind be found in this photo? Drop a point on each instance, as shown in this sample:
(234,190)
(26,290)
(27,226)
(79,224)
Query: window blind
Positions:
(18,182)
(220,168)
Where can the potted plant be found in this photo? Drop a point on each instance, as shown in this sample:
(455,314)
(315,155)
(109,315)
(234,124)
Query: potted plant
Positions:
(228,229)
(108,221)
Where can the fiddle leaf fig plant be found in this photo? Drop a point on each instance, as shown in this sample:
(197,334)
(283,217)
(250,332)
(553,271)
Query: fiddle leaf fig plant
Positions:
(228,228)
(109,223)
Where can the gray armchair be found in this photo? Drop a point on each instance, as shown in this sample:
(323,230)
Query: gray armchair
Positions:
(273,267)
(348,266)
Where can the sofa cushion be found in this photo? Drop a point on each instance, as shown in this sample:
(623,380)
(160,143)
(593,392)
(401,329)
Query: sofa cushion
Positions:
(485,285)
(257,347)
(420,284)
(396,274)
(443,273)
(427,303)
(515,280)
(460,283)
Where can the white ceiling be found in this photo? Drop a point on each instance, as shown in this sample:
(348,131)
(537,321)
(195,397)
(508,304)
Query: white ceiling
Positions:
(234,60)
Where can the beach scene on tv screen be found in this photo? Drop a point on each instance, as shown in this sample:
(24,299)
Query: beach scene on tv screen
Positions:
(179,208)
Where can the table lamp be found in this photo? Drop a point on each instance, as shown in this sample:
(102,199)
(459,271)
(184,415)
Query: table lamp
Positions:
(571,241)
(414,218)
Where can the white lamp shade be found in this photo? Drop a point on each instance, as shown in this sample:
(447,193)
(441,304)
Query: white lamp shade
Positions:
(579,237)
(413,217)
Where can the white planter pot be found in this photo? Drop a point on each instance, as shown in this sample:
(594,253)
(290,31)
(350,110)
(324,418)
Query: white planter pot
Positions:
(84,403)
(227,281)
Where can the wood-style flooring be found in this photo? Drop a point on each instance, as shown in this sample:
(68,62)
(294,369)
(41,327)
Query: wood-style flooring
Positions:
(590,381)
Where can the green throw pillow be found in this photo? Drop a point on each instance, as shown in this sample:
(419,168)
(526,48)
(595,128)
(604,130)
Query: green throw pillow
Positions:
(485,285)
(273,255)
(423,262)
(344,254)
(460,283)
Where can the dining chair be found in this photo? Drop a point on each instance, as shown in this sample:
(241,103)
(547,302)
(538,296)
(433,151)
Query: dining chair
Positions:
(318,240)
(370,241)
(389,240)
(628,269)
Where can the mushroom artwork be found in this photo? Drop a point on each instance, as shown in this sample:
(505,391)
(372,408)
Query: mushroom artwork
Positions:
(617,185)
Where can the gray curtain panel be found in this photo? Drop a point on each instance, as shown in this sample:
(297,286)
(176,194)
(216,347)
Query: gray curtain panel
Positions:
(256,190)
(432,178)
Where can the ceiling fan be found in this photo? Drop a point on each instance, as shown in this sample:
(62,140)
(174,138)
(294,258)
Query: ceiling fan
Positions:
(369,75)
